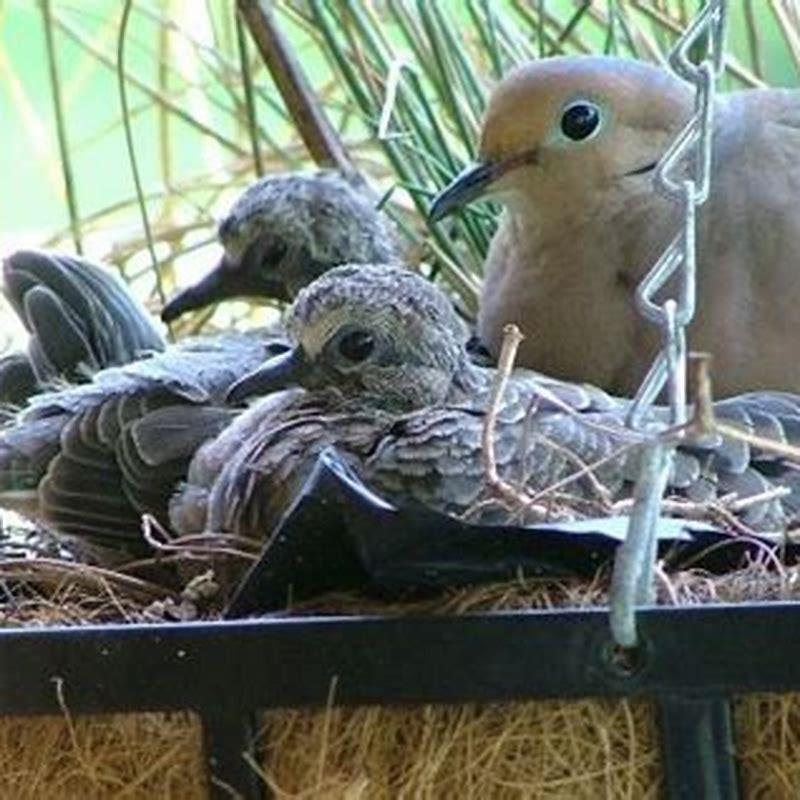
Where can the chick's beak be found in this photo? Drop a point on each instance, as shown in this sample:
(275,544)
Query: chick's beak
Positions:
(209,289)
(467,186)
(225,281)
(286,369)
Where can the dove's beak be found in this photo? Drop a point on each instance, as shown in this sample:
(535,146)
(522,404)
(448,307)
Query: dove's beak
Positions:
(470,184)
(225,281)
(476,181)
(277,373)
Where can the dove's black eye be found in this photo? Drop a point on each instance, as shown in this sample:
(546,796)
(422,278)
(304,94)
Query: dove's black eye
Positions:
(580,120)
(356,346)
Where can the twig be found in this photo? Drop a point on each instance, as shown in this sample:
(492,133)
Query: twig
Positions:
(704,423)
(547,394)
(512,337)
(505,364)
(723,507)
(51,570)
(585,470)
(196,546)
(738,505)
(768,445)
(322,142)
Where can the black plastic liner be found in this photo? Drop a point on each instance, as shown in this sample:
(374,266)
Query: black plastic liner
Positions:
(339,535)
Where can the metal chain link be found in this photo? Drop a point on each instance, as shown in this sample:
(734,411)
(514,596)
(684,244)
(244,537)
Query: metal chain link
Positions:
(693,144)
(682,176)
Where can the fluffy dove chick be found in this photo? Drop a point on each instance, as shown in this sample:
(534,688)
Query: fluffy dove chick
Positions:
(569,146)
(284,231)
(381,355)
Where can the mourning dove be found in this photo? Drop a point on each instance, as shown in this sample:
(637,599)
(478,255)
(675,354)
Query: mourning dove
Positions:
(66,461)
(80,318)
(279,235)
(387,378)
(384,374)
(284,231)
(569,145)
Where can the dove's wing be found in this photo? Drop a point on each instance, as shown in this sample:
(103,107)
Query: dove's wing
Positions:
(89,464)
(81,318)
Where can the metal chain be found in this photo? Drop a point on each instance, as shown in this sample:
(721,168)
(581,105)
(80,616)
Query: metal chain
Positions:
(692,145)
(682,176)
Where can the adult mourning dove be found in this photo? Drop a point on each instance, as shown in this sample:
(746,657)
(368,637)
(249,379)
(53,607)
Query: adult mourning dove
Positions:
(284,231)
(387,378)
(569,146)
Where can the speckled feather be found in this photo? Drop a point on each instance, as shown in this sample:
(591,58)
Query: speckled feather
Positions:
(433,454)
(80,318)
(77,460)
(322,209)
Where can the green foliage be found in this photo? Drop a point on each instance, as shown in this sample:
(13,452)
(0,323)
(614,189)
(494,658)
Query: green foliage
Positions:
(403,81)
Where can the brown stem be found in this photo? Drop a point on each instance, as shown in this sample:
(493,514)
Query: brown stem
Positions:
(318,135)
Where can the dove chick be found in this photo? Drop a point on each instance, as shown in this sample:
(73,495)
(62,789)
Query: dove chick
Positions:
(286,230)
(381,357)
(281,233)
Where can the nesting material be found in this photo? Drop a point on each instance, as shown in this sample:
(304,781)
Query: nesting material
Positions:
(582,749)
(542,749)
(94,758)
(551,749)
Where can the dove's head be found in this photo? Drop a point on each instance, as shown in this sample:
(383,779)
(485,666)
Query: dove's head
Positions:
(285,231)
(561,132)
(380,335)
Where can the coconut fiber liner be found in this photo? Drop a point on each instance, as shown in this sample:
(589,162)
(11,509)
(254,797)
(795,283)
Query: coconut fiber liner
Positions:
(548,749)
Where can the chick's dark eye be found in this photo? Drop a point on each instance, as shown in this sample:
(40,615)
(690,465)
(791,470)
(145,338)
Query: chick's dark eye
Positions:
(276,251)
(580,121)
(356,346)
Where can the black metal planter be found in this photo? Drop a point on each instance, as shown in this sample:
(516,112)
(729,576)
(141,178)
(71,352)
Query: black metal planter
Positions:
(691,661)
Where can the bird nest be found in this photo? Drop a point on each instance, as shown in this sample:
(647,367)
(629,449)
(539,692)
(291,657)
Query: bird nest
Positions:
(553,749)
